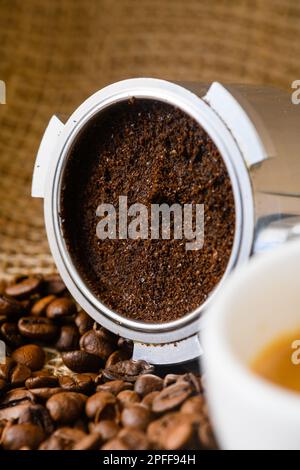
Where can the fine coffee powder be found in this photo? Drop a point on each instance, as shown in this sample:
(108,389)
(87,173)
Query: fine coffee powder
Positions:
(153,153)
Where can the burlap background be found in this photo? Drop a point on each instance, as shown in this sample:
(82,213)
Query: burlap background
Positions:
(54,53)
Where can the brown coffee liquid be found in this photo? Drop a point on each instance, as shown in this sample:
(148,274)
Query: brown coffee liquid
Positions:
(153,153)
(279,361)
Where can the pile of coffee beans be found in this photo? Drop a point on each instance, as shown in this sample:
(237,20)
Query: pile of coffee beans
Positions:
(69,384)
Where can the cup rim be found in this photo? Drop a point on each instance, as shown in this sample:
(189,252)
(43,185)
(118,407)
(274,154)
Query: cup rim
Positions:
(215,336)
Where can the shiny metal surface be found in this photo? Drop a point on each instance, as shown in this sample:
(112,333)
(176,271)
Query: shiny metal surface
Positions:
(250,144)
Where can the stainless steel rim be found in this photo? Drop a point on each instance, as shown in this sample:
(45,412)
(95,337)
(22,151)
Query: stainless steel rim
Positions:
(194,106)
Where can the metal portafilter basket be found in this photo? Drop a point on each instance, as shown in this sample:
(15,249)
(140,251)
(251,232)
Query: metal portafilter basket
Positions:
(256,130)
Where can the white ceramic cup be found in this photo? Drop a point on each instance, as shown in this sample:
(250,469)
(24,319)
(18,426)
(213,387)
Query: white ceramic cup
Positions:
(259,302)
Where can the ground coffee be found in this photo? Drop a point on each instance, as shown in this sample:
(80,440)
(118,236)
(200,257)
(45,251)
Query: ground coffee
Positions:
(153,153)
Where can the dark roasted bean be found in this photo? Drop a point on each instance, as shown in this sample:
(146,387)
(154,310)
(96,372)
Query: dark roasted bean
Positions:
(101,405)
(53,285)
(82,383)
(115,386)
(14,373)
(61,307)
(63,439)
(90,442)
(68,338)
(37,328)
(107,429)
(11,335)
(136,416)
(117,356)
(83,322)
(66,407)
(10,307)
(41,381)
(97,343)
(39,307)
(25,287)
(44,393)
(127,397)
(37,414)
(81,361)
(127,370)
(171,397)
(148,383)
(128,439)
(18,435)
(30,355)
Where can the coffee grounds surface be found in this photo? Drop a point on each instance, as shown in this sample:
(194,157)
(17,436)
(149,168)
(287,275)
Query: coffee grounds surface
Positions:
(153,153)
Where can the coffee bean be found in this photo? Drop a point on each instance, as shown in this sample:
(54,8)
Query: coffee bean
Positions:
(83,322)
(128,439)
(37,328)
(128,370)
(193,405)
(114,386)
(39,307)
(127,397)
(101,405)
(18,435)
(81,361)
(107,429)
(66,407)
(148,383)
(148,399)
(13,403)
(157,429)
(30,355)
(61,307)
(96,343)
(10,307)
(77,383)
(41,381)
(44,393)
(117,356)
(53,285)
(14,373)
(206,436)
(68,338)
(38,415)
(63,438)
(136,416)
(90,442)
(11,335)
(178,437)
(3,386)
(24,287)
(171,397)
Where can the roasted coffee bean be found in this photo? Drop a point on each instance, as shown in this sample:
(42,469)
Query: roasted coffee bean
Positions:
(66,407)
(148,383)
(14,373)
(39,307)
(128,439)
(114,386)
(44,393)
(90,442)
(178,437)
(171,397)
(117,356)
(101,405)
(61,307)
(148,399)
(63,438)
(128,397)
(206,436)
(11,335)
(37,328)
(95,342)
(195,382)
(136,416)
(83,322)
(107,429)
(24,287)
(3,386)
(127,370)
(193,405)
(81,361)
(68,338)
(30,355)
(125,345)
(37,414)
(77,383)
(53,285)
(13,403)
(158,429)
(10,307)
(18,435)
(42,381)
